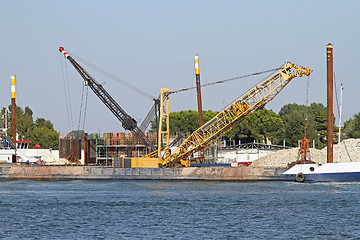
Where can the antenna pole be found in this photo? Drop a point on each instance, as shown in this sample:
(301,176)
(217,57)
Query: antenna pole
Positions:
(6,123)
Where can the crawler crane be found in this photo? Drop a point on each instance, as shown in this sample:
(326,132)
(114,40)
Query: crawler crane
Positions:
(243,107)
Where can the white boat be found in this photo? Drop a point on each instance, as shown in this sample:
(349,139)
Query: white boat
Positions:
(23,153)
(326,172)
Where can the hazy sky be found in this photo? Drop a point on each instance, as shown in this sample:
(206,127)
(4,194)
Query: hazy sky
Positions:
(151,44)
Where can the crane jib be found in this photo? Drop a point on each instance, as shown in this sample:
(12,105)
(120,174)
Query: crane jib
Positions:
(128,123)
(208,124)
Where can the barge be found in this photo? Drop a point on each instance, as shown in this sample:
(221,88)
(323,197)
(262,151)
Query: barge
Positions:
(59,173)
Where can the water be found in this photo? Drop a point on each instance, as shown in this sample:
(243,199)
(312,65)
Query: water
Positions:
(178,210)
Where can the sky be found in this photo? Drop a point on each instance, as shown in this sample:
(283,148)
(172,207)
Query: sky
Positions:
(151,45)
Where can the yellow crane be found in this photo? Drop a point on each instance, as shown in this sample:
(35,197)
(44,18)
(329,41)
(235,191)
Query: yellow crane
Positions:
(243,107)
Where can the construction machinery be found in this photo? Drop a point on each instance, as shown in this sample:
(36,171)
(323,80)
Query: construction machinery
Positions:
(243,107)
(200,140)
(128,122)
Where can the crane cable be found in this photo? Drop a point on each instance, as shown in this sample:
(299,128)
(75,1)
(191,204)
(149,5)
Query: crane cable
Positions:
(181,90)
(136,89)
(81,107)
(149,96)
(86,96)
(81,103)
(65,78)
(115,78)
(226,80)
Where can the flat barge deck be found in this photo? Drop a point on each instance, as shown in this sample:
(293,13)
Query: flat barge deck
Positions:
(54,173)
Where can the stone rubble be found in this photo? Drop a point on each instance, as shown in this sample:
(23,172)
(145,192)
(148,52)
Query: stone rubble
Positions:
(282,158)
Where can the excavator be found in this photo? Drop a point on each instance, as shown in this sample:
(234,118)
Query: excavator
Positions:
(128,123)
(240,109)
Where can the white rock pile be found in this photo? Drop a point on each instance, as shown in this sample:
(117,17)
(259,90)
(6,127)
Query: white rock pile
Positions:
(349,152)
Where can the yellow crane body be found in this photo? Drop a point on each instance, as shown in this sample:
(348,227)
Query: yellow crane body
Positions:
(256,98)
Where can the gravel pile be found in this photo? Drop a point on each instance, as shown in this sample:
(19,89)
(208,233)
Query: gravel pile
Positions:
(349,150)
(282,158)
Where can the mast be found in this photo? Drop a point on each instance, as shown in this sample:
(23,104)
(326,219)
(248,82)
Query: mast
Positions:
(6,121)
(340,114)
(330,137)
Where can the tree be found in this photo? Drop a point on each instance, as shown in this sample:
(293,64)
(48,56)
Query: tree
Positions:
(78,134)
(184,122)
(319,113)
(39,132)
(263,126)
(41,122)
(267,125)
(44,134)
(293,116)
(24,122)
(352,127)
(45,137)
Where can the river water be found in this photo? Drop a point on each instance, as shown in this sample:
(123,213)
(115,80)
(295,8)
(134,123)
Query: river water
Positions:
(178,210)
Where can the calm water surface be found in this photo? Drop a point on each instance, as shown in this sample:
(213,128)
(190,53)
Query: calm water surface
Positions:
(178,210)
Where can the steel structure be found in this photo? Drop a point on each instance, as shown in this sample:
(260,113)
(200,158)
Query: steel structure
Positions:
(239,110)
(128,123)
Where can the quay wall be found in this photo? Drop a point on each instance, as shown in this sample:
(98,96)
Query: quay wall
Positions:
(35,172)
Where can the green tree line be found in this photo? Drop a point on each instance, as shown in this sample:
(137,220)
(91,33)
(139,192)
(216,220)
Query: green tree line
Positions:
(263,126)
(266,126)
(40,131)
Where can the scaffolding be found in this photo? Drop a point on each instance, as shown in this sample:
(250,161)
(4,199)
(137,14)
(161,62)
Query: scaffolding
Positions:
(112,146)
(106,153)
